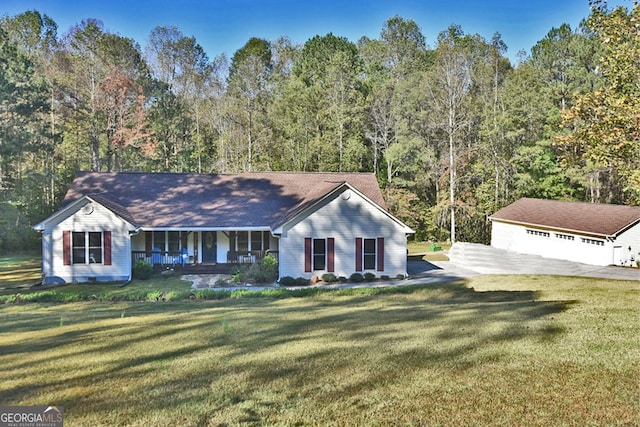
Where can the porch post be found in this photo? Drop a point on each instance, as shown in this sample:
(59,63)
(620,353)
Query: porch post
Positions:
(195,247)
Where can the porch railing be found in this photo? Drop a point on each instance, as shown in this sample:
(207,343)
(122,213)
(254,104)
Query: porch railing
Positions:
(154,258)
(174,258)
(240,257)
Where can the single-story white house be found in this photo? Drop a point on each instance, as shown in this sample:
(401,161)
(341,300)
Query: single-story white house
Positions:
(590,233)
(313,223)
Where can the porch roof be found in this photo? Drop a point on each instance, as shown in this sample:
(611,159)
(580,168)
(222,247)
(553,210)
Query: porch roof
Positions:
(183,201)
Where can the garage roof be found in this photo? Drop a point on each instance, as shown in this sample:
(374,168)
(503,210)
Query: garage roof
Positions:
(587,218)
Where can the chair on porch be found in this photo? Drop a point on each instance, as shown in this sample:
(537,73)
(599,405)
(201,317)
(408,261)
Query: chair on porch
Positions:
(180,259)
(156,256)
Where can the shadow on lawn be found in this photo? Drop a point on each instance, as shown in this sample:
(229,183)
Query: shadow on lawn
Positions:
(411,328)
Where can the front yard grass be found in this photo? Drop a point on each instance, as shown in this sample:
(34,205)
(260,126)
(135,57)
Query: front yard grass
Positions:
(19,270)
(497,350)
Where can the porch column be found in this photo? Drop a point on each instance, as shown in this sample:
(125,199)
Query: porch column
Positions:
(195,246)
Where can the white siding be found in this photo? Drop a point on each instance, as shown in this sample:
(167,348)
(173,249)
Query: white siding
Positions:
(344,220)
(551,244)
(629,239)
(100,219)
(138,242)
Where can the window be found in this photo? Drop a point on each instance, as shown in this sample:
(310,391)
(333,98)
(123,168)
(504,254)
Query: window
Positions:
(95,248)
(319,254)
(243,241)
(159,239)
(564,236)
(174,241)
(538,233)
(168,241)
(592,241)
(256,240)
(79,248)
(369,254)
(87,247)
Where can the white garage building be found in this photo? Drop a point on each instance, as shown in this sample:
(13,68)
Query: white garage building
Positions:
(597,234)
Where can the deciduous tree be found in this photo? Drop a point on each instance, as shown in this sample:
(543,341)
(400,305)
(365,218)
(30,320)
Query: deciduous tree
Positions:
(605,123)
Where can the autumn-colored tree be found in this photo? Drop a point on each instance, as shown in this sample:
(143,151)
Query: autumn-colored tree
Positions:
(605,124)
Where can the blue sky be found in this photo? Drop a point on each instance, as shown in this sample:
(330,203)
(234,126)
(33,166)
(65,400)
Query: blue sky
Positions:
(224,26)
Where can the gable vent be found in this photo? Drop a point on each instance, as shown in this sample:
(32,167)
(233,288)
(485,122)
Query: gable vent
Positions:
(87,209)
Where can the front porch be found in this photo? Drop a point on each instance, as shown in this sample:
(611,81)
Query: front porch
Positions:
(211,250)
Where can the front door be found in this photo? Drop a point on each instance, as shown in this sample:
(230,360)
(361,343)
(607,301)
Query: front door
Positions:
(209,246)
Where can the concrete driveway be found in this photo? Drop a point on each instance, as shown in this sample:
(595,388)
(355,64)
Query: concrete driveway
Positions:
(471,259)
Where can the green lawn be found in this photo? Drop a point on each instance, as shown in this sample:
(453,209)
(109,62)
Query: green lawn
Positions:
(497,350)
(425,249)
(20,270)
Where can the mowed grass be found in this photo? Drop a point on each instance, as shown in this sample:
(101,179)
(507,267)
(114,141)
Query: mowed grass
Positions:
(424,249)
(19,270)
(497,350)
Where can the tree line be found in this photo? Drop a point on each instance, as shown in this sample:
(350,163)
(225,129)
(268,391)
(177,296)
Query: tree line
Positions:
(453,132)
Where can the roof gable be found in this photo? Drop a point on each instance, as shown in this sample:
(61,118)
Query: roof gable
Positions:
(174,200)
(82,203)
(302,212)
(589,218)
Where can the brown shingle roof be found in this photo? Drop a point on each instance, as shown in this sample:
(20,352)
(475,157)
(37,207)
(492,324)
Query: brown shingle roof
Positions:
(589,218)
(177,200)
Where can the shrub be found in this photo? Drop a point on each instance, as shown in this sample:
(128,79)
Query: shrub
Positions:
(236,275)
(287,281)
(342,279)
(270,262)
(290,281)
(400,277)
(384,277)
(264,271)
(356,277)
(301,281)
(142,270)
(369,277)
(329,278)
